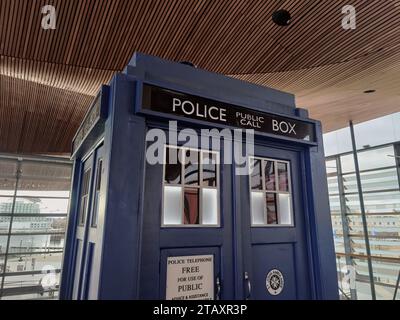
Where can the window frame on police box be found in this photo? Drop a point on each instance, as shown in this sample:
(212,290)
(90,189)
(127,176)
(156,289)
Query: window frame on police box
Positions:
(276,191)
(182,185)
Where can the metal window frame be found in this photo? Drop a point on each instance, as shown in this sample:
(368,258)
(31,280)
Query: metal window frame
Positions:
(19,161)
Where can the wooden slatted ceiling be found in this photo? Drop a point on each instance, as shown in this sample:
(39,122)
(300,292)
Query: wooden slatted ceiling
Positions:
(49,77)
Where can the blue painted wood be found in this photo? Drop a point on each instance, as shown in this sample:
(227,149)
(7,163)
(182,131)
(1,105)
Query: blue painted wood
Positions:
(133,264)
(320,222)
(68,259)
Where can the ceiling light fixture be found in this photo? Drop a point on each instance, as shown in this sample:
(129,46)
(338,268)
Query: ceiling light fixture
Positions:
(281,17)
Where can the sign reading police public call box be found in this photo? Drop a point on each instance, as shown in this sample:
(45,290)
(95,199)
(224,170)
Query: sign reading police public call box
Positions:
(199,108)
(190,278)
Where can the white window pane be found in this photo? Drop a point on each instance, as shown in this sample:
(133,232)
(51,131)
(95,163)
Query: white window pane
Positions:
(210,206)
(257,208)
(172,205)
(285,215)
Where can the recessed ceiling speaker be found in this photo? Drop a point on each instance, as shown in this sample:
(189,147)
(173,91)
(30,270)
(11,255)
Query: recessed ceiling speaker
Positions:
(281,17)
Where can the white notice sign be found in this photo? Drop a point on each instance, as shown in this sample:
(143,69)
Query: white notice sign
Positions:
(190,278)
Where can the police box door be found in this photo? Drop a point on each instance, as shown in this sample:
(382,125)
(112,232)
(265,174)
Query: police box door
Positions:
(186,242)
(275,252)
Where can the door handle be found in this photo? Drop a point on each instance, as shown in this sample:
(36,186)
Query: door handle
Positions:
(218,284)
(247,280)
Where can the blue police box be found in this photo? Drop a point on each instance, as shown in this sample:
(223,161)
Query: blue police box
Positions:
(158,211)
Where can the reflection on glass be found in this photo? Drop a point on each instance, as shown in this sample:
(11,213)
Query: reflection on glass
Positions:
(269,172)
(209,165)
(379,180)
(285,214)
(191,167)
(33,262)
(172,166)
(283,176)
(84,196)
(209,206)
(191,206)
(97,193)
(3,244)
(257,208)
(255,177)
(35,243)
(172,205)
(331,167)
(8,174)
(272,215)
(4,224)
(31,280)
(376,158)
(347,163)
(38,224)
(6,204)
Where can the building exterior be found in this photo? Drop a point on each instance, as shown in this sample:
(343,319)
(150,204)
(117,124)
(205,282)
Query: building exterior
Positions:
(375,273)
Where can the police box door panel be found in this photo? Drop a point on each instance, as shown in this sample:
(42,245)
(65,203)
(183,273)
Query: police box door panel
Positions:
(186,242)
(276,259)
(84,206)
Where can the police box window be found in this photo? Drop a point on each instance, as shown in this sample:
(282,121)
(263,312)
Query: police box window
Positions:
(190,187)
(270,192)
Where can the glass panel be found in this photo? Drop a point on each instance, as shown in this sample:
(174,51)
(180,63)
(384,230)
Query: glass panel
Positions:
(39,224)
(44,194)
(334,203)
(41,205)
(191,206)
(376,158)
(209,206)
(272,217)
(33,262)
(352,203)
(3,244)
(283,174)
(172,205)
(285,212)
(331,167)
(6,204)
(269,171)
(385,274)
(257,208)
(333,186)
(347,163)
(26,282)
(172,166)
(36,243)
(350,183)
(382,202)
(255,177)
(338,242)
(8,171)
(97,192)
(379,180)
(209,165)
(84,196)
(1,260)
(191,167)
(37,175)
(4,224)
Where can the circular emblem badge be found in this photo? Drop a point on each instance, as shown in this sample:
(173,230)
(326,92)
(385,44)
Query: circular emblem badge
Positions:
(274,282)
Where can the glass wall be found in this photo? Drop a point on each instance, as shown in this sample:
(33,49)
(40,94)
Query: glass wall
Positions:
(379,173)
(34,195)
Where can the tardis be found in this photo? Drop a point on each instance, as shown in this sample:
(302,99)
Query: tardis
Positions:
(189,185)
